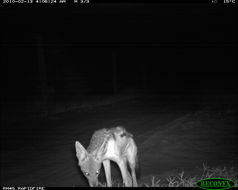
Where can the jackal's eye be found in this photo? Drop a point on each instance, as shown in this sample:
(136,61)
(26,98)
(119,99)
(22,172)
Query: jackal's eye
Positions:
(97,172)
(86,173)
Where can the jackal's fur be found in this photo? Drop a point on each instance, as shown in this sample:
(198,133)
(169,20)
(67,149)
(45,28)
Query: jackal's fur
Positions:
(114,144)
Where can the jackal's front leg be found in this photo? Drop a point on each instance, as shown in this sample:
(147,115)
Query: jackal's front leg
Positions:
(107,168)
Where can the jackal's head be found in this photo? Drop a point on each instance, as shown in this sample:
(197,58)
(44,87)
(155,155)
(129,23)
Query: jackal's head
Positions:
(89,163)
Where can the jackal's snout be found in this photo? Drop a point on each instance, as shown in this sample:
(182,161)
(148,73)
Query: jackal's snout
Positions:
(93,183)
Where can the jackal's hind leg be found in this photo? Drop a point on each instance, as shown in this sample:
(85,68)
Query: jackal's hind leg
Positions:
(132,165)
(132,160)
(129,179)
(125,174)
(133,173)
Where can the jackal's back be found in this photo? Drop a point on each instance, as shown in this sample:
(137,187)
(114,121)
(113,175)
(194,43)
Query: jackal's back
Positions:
(99,138)
(102,136)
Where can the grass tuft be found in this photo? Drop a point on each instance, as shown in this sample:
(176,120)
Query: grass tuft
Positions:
(182,180)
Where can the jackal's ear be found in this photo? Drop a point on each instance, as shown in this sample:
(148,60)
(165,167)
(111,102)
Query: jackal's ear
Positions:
(81,153)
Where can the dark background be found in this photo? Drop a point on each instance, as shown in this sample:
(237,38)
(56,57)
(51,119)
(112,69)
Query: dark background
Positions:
(164,48)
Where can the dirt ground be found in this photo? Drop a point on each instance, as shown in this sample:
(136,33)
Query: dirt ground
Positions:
(172,134)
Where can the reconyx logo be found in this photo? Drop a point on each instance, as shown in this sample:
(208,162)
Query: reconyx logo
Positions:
(215,183)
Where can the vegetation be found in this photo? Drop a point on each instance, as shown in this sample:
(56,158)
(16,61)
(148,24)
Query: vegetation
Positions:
(183,180)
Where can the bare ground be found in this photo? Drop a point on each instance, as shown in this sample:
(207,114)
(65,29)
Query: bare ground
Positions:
(172,134)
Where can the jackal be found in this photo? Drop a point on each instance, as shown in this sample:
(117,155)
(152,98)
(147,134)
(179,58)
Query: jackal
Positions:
(114,144)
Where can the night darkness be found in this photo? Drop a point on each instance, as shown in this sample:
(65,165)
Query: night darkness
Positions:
(68,71)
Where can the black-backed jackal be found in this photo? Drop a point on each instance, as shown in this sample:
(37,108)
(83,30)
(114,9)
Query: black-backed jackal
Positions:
(114,144)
